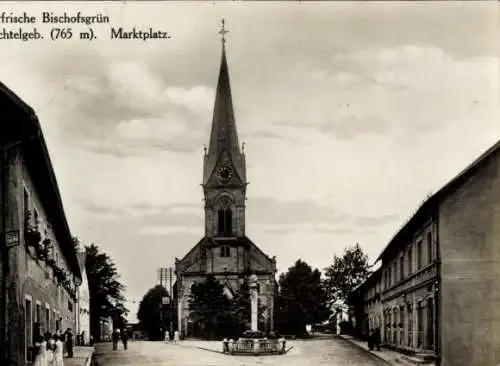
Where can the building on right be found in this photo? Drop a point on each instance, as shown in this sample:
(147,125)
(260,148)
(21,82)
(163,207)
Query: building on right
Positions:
(436,294)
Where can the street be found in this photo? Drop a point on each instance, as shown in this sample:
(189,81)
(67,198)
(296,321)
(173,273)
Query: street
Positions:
(327,351)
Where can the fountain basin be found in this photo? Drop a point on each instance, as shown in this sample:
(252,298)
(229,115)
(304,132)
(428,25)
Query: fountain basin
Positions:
(254,347)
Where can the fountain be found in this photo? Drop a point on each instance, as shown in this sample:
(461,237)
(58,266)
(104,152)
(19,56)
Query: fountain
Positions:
(253,341)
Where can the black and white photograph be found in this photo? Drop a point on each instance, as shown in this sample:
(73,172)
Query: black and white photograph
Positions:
(243,183)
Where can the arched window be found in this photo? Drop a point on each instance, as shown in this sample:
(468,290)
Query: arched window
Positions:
(224,221)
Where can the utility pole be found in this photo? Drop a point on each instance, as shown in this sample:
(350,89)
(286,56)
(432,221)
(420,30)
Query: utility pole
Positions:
(160,270)
(171,304)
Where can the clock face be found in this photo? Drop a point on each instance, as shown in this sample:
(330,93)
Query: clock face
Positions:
(224,174)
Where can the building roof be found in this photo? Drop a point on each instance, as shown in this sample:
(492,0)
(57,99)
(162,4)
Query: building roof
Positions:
(430,205)
(19,123)
(81,260)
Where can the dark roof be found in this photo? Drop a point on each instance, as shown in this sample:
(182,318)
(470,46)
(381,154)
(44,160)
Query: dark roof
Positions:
(430,205)
(20,123)
(223,133)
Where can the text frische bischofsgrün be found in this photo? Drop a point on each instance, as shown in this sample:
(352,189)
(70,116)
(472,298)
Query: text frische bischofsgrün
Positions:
(66,26)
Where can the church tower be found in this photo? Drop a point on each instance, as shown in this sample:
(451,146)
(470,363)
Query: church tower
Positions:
(224,171)
(224,252)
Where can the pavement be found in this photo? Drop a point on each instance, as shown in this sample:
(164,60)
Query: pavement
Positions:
(81,357)
(389,356)
(331,350)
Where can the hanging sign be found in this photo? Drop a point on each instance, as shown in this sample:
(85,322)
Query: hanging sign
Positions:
(12,238)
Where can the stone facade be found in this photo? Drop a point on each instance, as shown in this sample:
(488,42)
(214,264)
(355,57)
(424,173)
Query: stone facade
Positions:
(83,303)
(438,282)
(225,251)
(32,293)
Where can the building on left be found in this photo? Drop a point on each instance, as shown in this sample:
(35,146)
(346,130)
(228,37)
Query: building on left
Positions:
(39,265)
(83,304)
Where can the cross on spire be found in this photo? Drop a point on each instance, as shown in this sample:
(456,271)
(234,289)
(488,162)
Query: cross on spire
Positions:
(223,31)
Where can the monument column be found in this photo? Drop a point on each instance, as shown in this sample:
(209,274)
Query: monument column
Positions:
(253,302)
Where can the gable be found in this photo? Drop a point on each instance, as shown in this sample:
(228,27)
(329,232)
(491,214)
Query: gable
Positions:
(224,160)
(259,261)
(194,261)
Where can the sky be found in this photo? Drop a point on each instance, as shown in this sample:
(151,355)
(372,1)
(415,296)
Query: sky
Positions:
(351,114)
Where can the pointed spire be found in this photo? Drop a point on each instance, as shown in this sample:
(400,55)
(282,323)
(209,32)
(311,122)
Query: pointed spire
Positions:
(223,134)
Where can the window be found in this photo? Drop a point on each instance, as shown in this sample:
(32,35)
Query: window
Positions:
(420,325)
(224,221)
(225,251)
(70,306)
(26,200)
(29,323)
(429,247)
(38,313)
(390,276)
(401,268)
(430,324)
(410,259)
(419,254)
(47,319)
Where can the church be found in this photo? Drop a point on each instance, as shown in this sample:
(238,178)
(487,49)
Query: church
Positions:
(225,251)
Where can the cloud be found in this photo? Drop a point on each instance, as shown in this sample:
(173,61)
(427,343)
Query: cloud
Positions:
(168,230)
(171,216)
(368,221)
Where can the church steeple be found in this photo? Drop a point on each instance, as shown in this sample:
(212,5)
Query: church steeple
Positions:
(224,143)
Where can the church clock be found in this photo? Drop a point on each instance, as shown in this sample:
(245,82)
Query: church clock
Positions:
(224,174)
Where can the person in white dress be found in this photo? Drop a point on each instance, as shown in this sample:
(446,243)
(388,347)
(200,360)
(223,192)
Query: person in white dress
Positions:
(51,345)
(58,352)
(176,336)
(167,336)
(40,350)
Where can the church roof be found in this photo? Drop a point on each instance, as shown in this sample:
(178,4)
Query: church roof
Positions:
(224,135)
(196,252)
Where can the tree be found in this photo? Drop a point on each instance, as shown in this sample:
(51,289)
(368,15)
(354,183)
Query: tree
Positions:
(346,273)
(302,299)
(152,315)
(209,308)
(76,244)
(240,309)
(105,290)
(241,312)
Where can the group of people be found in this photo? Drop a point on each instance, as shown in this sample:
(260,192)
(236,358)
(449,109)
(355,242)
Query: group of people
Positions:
(374,339)
(116,336)
(175,339)
(49,348)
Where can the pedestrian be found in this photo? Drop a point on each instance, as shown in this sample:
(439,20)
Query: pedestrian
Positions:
(176,337)
(69,342)
(370,339)
(39,347)
(167,336)
(378,338)
(51,345)
(115,337)
(124,339)
(58,351)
